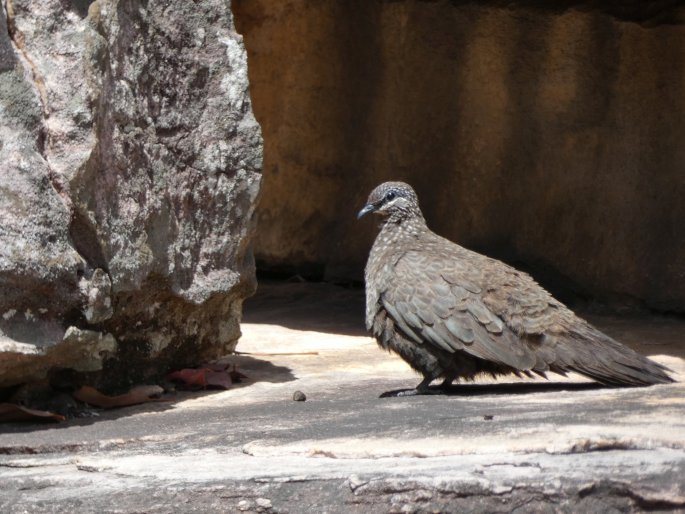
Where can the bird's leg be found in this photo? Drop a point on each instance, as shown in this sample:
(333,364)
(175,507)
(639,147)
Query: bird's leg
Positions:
(446,384)
(424,386)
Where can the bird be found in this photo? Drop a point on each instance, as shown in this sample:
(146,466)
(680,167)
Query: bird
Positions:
(452,313)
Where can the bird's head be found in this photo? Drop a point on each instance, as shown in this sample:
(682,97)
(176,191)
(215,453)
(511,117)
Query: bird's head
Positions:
(395,200)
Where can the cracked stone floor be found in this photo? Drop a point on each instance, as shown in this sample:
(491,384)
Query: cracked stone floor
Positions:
(563,445)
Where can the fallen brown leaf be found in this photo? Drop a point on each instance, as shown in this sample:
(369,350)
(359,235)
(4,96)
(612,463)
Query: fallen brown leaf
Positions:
(138,394)
(220,379)
(208,375)
(13,412)
(190,377)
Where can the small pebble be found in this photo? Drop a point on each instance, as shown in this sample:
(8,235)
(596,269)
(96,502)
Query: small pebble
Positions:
(299,396)
(263,503)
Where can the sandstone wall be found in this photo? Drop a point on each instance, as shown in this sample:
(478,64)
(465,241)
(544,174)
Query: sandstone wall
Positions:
(130,164)
(551,134)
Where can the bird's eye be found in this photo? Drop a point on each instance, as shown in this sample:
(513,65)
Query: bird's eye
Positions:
(390,195)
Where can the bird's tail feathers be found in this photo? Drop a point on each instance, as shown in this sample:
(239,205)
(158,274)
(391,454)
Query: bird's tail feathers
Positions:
(607,361)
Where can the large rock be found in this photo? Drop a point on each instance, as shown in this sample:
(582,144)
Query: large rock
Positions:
(131,164)
(545,133)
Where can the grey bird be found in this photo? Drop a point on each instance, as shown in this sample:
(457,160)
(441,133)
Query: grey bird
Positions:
(452,313)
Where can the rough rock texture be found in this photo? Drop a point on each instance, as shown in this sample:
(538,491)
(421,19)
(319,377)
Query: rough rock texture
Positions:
(543,133)
(130,163)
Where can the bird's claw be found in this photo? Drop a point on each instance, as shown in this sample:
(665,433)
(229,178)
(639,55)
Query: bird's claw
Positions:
(413,392)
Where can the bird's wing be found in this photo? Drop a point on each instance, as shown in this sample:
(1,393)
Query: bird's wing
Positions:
(449,313)
(557,339)
(525,307)
(458,300)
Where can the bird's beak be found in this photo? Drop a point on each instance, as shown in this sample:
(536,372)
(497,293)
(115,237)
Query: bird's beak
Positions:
(367,209)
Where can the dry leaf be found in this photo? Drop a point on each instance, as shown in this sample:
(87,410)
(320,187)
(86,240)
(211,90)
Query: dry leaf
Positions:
(138,394)
(209,375)
(220,379)
(14,412)
(190,377)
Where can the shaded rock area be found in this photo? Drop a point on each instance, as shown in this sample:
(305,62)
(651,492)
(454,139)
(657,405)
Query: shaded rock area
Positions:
(130,164)
(563,445)
(547,134)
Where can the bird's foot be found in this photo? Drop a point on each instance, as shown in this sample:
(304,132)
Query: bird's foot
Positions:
(446,386)
(422,389)
(412,392)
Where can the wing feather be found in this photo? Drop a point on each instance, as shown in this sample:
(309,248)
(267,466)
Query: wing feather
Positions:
(440,294)
(451,317)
